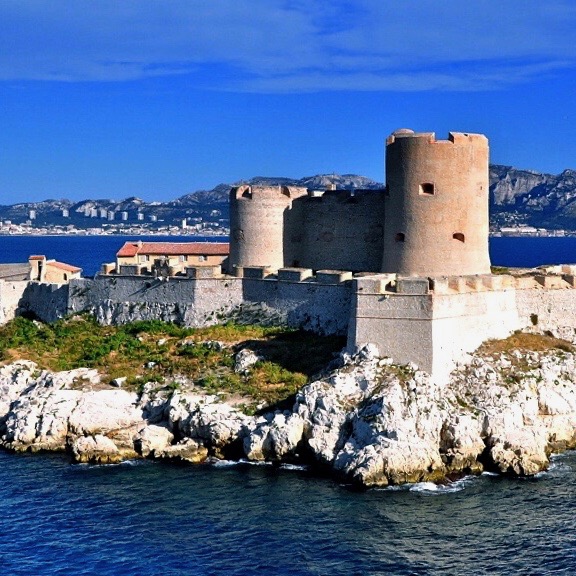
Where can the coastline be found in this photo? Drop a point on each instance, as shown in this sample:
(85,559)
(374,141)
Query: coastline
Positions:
(367,421)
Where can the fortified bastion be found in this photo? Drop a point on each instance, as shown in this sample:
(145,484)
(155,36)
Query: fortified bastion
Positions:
(405,268)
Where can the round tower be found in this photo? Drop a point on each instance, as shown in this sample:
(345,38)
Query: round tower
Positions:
(436,210)
(261,225)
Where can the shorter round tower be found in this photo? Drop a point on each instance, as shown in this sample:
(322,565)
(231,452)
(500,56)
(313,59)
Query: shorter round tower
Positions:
(436,209)
(261,226)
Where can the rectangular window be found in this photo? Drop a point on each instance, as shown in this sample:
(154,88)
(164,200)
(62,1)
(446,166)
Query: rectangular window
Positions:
(427,189)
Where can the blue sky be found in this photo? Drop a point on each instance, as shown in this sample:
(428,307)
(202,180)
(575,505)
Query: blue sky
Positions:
(158,98)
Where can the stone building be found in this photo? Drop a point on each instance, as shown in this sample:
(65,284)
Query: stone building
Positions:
(436,207)
(175,255)
(430,219)
(52,271)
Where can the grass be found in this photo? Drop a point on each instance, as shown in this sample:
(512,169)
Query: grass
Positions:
(163,352)
(525,342)
(499,270)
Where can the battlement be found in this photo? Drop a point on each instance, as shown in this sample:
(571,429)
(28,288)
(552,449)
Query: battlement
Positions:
(388,284)
(356,196)
(247,192)
(462,138)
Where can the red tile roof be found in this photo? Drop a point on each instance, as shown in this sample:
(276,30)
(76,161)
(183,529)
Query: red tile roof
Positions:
(63,266)
(174,248)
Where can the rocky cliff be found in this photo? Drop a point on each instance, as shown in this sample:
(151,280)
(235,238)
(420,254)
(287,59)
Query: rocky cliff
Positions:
(524,196)
(366,420)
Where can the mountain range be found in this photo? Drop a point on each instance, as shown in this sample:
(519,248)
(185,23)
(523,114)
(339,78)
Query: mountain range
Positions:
(516,197)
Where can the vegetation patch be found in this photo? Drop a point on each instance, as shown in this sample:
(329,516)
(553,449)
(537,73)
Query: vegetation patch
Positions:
(167,353)
(525,342)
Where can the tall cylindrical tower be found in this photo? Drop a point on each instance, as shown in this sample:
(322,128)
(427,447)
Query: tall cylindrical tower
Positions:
(260,219)
(436,210)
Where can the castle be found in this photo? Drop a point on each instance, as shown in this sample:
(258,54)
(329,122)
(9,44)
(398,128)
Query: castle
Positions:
(431,218)
(405,268)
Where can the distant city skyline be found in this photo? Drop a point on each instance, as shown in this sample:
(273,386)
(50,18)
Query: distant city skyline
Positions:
(158,99)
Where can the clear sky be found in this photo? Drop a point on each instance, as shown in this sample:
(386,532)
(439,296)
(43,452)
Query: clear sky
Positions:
(159,98)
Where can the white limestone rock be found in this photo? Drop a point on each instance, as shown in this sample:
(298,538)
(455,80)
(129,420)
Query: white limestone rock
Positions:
(187,450)
(245,359)
(215,424)
(275,437)
(153,440)
(99,449)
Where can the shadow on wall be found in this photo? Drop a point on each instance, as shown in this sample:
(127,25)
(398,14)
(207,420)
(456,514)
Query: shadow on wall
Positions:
(45,302)
(335,230)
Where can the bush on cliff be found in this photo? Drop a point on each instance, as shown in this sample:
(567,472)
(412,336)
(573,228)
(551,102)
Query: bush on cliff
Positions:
(159,351)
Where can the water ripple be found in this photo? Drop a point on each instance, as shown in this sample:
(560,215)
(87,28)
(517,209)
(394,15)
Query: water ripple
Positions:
(143,518)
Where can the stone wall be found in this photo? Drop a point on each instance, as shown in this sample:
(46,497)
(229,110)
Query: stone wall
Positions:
(320,304)
(434,322)
(10,296)
(47,302)
(186,301)
(341,230)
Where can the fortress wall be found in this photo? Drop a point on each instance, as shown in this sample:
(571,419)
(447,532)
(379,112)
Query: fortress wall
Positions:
(10,296)
(320,308)
(48,302)
(341,230)
(549,309)
(433,330)
(186,301)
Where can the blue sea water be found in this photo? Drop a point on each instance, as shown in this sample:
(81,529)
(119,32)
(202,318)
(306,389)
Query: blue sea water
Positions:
(89,252)
(152,518)
(145,518)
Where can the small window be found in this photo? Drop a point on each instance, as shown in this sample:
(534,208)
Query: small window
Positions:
(182,258)
(459,236)
(400,237)
(427,189)
(202,258)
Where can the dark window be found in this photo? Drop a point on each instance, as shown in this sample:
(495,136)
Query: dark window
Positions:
(458,236)
(400,237)
(427,189)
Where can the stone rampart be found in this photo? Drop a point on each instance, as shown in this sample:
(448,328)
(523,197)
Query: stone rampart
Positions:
(291,297)
(340,229)
(47,302)
(434,322)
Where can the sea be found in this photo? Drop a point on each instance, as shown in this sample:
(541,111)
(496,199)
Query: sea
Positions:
(145,518)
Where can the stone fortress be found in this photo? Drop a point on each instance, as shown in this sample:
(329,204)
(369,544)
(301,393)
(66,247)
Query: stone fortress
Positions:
(405,268)
(430,220)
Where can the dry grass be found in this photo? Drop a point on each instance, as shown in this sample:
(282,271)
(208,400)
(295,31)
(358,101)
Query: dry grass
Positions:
(525,342)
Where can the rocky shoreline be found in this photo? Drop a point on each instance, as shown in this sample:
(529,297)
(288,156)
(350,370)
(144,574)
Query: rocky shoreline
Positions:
(366,421)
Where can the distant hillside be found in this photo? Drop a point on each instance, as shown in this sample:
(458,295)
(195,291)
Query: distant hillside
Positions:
(541,200)
(210,205)
(516,196)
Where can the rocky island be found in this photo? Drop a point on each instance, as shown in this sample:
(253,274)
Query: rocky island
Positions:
(365,420)
(449,367)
